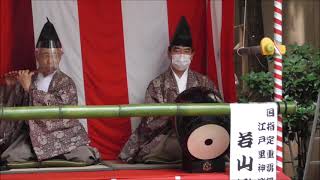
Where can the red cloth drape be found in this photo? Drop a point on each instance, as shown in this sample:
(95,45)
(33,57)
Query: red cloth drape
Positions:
(16,36)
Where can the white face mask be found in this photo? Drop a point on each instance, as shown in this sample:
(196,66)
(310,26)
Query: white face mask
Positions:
(181,61)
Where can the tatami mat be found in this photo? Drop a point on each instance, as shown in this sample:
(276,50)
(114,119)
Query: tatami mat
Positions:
(103,166)
(98,167)
(120,165)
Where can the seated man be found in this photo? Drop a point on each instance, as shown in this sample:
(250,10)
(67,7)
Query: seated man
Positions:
(48,86)
(154,140)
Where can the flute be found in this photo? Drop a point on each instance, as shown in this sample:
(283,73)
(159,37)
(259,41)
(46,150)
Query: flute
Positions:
(14,74)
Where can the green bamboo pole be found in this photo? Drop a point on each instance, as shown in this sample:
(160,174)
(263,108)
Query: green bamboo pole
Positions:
(129,110)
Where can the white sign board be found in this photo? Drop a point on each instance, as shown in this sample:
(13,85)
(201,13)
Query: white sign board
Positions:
(253,141)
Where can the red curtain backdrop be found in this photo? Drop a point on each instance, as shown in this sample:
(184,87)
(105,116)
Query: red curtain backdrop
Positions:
(16,34)
(103,64)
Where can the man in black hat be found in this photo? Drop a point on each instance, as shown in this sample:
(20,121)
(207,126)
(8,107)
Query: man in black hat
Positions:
(48,86)
(155,140)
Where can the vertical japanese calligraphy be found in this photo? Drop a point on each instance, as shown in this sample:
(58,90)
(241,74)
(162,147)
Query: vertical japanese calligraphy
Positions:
(253,141)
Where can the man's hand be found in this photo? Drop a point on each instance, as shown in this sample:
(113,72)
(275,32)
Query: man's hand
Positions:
(11,78)
(24,78)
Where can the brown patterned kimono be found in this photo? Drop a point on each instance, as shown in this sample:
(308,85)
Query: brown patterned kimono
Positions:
(10,130)
(148,143)
(49,138)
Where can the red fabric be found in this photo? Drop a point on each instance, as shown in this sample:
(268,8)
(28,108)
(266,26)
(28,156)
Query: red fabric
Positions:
(195,13)
(4,38)
(227,43)
(125,174)
(103,59)
(16,36)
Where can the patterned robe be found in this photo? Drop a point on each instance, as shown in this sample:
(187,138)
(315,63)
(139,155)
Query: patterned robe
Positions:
(150,131)
(49,138)
(10,130)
